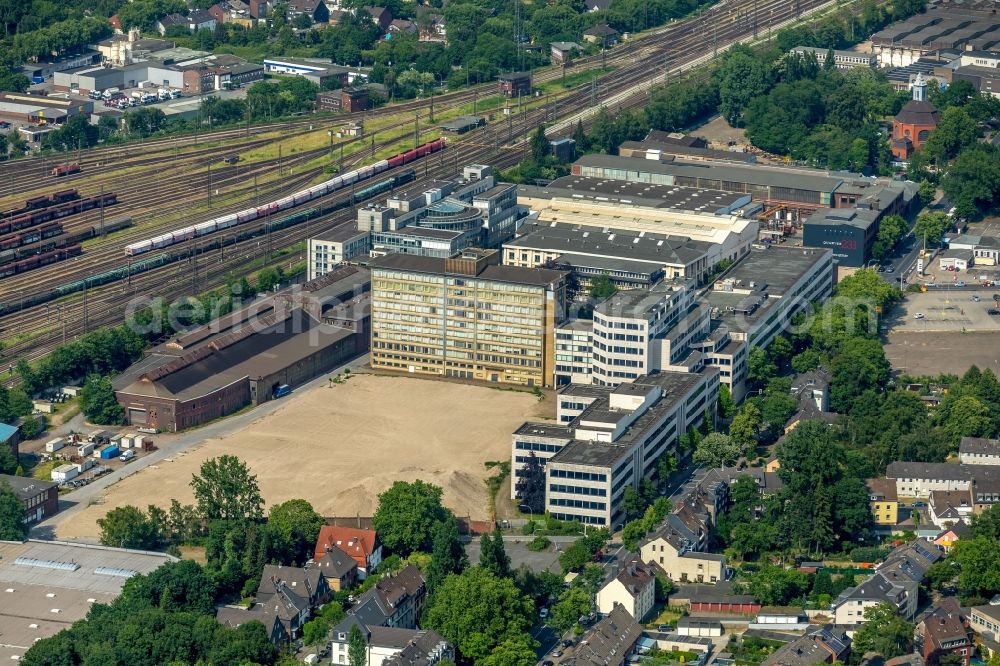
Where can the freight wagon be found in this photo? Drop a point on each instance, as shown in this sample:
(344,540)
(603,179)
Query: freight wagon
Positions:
(55,212)
(296,199)
(61,170)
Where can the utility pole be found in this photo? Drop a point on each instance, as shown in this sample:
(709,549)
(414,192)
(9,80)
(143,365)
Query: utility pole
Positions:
(102,210)
(666,69)
(279,160)
(86,317)
(340,168)
(416,129)
(209,184)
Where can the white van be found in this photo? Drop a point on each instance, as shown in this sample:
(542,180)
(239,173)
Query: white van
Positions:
(128,455)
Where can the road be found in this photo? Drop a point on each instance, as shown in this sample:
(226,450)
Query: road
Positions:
(168,446)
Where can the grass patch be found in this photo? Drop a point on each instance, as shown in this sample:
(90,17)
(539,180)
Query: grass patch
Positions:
(43,471)
(666,616)
(196,553)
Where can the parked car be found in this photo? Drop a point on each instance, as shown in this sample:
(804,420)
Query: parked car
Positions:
(993,311)
(919,505)
(543,613)
(919,315)
(960,283)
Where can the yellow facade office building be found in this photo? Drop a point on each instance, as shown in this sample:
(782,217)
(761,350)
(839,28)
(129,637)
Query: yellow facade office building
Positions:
(467,317)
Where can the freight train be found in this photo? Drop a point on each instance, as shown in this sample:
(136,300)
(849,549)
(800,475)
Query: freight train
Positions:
(292,200)
(55,212)
(38,260)
(43,201)
(145,264)
(52,241)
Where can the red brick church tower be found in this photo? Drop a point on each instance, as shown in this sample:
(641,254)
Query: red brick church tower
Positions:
(914,122)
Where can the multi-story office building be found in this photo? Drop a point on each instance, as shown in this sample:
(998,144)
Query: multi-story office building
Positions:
(574,351)
(610,439)
(466,316)
(334,247)
(758,298)
(637,332)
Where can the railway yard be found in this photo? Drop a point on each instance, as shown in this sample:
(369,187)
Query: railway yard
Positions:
(130,195)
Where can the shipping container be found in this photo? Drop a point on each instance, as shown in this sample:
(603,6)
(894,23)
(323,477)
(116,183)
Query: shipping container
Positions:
(54,445)
(64,473)
(110,452)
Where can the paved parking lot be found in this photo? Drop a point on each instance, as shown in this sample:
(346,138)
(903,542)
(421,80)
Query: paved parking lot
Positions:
(519,554)
(935,352)
(946,309)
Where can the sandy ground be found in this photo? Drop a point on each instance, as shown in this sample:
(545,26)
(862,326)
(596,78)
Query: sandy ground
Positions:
(340,447)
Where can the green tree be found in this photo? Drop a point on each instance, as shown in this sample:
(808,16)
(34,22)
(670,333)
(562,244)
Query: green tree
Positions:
(357,647)
(987,523)
(884,632)
(493,556)
(955,131)
(98,402)
(129,527)
(518,651)
(530,486)
(295,527)
(572,603)
(927,192)
(716,450)
(760,368)
(407,514)
(727,407)
(972,182)
(175,586)
(890,230)
(979,565)
(931,226)
(580,137)
(540,149)
(226,490)
(742,77)
(968,417)
(448,556)
(746,425)
(8,461)
(269,278)
(32,426)
(477,612)
(12,515)
(601,287)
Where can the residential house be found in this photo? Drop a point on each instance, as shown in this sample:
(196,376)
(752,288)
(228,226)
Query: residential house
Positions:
(380,15)
(233,617)
(915,479)
(198,19)
(672,547)
(895,581)
(316,10)
(912,659)
(823,646)
(387,613)
(338,568)
(434,29)
(290,606)
(943,631)
(403,27)
(597,5)
(609,643)
(602,34)
(947,538)
(515,84)
(563,52)
(979,451)
(396,601)
(883,501)
(947,507)
(812,389)
(309,583)
(391,646)
(361,544)
(218,12)
(633,589)
(40,498)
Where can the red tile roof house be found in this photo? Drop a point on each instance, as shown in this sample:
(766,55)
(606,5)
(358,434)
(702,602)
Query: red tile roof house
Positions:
(362,545)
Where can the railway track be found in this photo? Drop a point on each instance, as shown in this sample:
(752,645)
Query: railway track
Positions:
(681,44)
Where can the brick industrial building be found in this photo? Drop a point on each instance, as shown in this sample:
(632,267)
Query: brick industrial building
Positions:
(242,358)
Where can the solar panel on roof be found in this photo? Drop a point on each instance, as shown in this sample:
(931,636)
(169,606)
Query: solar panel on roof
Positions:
(115,571)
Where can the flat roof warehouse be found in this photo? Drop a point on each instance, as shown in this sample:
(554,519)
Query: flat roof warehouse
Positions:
(38,600)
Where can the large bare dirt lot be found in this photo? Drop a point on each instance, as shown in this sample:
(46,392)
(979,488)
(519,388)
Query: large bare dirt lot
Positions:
(340,447)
